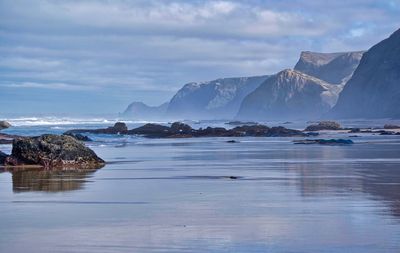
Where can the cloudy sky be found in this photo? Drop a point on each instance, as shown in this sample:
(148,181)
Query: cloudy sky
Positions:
(91,56)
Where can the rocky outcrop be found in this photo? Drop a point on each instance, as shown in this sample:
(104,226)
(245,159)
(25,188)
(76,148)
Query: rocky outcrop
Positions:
(141,111)
(180,130)
(52,151)
(374,90)
(217,99)
(289,94)
(118,128)
(324,125)
(325,142)
(4,124)
(334,68)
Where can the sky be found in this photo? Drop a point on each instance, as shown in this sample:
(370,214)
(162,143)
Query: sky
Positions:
(75,57)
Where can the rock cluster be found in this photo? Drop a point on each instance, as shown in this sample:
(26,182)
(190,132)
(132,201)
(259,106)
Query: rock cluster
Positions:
(180,130)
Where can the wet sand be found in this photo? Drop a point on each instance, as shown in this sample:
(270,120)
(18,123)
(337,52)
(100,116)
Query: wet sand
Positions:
(207,195)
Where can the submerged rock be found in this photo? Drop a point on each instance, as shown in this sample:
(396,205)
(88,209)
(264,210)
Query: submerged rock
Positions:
(4,124)
(324,125)
(52,151)
(325,141)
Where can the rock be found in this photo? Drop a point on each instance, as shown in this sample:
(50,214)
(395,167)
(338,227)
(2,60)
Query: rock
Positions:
(251,130)
(325,141)
(232,141)
(4,124)
(283,132)
(180,128)
(52,151)
(354,130)
(390,126)
(151,130)
(3,157)
(118,128)
(324,125)
(240,123)
(79,137)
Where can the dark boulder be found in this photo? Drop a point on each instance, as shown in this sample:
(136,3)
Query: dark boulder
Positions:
(3,157)
(180,128)
(325,141)
(4,124)
(52,151)
(324,125)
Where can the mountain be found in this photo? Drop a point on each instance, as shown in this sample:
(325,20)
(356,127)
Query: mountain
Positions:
(141,111)
(217,99)
(374,89)
(335,68)
(290,94)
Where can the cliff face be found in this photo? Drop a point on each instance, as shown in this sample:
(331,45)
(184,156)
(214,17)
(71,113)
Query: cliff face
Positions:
(289,94)
(374,89)
(217,99)
(334,68)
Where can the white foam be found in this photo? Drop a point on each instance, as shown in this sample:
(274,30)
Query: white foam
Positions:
(60,121)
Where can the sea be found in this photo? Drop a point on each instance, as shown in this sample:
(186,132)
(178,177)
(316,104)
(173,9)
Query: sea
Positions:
(259,194)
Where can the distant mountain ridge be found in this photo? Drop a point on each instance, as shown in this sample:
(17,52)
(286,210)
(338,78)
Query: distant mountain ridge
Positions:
(140,110)
(308,91)
(290,94)
(216,99)
(374,89)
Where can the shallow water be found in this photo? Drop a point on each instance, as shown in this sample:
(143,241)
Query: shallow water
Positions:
(207,195)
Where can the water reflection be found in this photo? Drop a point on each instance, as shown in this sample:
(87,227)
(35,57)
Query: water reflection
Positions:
(49,180)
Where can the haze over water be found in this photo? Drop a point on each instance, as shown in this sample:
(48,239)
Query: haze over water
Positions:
(207,195)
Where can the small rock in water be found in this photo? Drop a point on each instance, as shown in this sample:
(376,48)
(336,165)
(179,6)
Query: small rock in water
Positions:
(4,124)
(325,141)
(232,141)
